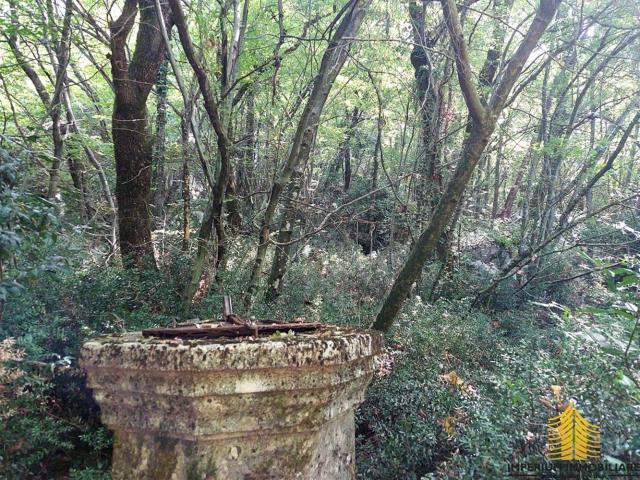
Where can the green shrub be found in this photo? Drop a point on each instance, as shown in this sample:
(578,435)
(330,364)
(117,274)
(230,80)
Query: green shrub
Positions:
(54,426)
(504,365)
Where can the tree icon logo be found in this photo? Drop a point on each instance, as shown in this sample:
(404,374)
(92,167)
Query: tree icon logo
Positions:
(571,437)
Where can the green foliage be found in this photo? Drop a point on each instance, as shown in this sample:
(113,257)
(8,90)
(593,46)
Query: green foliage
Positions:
(459,390)
(28,230)
(419,421)
(616,331)
(52,424)
(401,433)
(457,394)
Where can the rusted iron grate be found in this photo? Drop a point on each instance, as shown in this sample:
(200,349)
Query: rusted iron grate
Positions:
(231,325)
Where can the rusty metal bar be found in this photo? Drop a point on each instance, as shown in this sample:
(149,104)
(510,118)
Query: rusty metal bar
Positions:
(210,331)
(232,325)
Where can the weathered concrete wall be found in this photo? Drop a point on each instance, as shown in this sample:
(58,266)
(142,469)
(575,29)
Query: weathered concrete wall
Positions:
(227,409)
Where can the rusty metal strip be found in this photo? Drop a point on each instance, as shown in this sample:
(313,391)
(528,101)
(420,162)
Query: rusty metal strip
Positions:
(215,331)
(232,325)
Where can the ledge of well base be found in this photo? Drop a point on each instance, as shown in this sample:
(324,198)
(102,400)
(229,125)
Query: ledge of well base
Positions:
(328,346)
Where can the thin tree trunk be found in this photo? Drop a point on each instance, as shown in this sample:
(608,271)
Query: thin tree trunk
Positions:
(553,160)
(232,204)
(346,184)
(376,153)
(529,255)
(429,183)
(58,151)
(507,208)
(159,180)
(530,194)
(497,180)
(78,174)
(584,191)
(185,122)
(246,163)
(330,66)
(102,177)
(76,166)
(51,103)
(343,157)
(446,260)
(281,256)
(626,182)
(62,61)
(428,241)
(212,221)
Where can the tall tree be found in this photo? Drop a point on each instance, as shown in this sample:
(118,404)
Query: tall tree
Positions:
(212,228)
(483,121)
(159,177)
(133,79)
(350,17)
(429,103)
(57,40)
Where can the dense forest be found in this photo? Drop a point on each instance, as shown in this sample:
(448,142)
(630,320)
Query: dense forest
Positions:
(463,176)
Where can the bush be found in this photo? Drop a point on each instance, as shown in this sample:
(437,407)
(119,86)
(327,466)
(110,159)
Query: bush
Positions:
(422,421)
(53,426)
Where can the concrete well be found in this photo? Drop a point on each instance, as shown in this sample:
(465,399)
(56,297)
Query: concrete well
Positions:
(266,408)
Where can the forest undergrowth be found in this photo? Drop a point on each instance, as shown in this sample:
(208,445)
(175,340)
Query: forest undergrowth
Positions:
(459,391)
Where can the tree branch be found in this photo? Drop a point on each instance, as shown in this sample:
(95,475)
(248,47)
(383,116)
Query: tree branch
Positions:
(544,15)
(465,76)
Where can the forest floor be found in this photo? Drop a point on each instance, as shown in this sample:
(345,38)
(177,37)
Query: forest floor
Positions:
(459,392)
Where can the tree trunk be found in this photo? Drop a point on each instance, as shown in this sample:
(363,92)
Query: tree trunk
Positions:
(60,60)
(626,182)
(281,256)
(564,223)
(343,157)
(330,66)
(247,150)
(185,121)
(132,146)
(104,182)
(77,172)
(346,184)
(428,241)
(429,183)
(233,204)
(529,194)
(496,182)
(376,154)
(159,180)
(554,141)
(132,149)
(483,122)
(208,248)
(507,208)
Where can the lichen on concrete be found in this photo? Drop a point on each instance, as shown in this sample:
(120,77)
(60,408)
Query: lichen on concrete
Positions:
(232,408)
